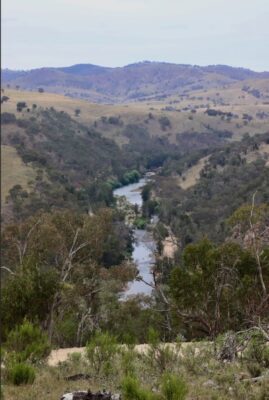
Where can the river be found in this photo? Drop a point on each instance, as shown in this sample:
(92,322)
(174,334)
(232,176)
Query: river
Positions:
(144,245)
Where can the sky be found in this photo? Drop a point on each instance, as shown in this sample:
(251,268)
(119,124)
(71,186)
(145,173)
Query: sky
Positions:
(37,33)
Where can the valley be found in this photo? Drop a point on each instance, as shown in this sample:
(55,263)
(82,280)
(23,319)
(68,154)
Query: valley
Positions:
(135,212)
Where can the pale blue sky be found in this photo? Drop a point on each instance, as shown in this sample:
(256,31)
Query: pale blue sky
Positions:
(38,33)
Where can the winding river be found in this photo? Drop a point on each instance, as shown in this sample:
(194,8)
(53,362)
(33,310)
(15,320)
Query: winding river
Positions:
(144,246)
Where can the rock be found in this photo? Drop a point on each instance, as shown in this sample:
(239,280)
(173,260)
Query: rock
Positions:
(210,383)
(88,395)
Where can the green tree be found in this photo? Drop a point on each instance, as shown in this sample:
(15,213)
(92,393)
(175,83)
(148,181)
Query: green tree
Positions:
(216,288)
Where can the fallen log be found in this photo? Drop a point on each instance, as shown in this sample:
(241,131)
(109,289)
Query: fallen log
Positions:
(77,377)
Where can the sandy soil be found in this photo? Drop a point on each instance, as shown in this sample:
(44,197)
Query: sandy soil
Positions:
(169,247)
(192,175)
(61,355)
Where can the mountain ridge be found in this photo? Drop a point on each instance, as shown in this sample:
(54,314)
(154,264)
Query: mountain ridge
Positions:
(132,82)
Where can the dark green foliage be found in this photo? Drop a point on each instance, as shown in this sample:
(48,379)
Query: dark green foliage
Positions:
(114,121)
(146,193)
(21,105)
(164,122)
(21,374)
(130,319)
(226,182)
(27,343)
(55,287)
(140,223)
(27,294)
(130,177)
(214,286)
(4,99)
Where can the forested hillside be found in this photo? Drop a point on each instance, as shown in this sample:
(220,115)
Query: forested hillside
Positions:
(228,178)
(68,242)
(137,81)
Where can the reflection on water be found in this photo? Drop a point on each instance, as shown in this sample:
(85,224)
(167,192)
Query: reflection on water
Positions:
(132,192)
(144,246)
(143,256)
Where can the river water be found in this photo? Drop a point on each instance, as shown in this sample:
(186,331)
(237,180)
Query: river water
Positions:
(144,246)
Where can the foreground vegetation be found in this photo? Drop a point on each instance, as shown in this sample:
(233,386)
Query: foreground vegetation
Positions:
(182,371)
(66,259)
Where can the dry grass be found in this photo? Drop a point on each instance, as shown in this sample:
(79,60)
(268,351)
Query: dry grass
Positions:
(262,152)
(192,174)
(206,377)
(137,113)
(13,171)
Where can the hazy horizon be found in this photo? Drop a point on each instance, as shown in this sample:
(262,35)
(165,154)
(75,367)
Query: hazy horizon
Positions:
(135,62)
(115,33)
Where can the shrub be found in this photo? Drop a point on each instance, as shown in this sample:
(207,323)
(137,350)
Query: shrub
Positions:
(127,361)
(27,342)
(258,352)
(8,118)
(131,390)
(140,223)
(160,356)
(164,122)
(75,358)
(21,105)
(4,98)
(130,177)
(21,373)
(100,352)
(173,387)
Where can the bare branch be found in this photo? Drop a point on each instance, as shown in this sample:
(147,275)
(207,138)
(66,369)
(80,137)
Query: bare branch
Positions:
(255,245)
(9,270)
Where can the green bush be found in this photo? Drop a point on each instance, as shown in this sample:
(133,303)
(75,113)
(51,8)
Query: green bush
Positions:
(140,223)
(258,352)
(173,387)
(21,373)
(128,360)
(131,390)
(100,352)
(160,356)
(27,343)
(130,177)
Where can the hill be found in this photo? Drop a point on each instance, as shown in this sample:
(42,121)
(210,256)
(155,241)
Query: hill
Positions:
(137,81)
(78,144)
(235,111)
(199,192)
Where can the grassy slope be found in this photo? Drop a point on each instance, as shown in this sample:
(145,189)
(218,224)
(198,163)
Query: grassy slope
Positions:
(13,171)
(137,113)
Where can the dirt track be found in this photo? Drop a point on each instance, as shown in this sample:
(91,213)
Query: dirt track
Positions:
(61,355)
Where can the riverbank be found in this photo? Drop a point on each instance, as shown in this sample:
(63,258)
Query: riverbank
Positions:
(129,200)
